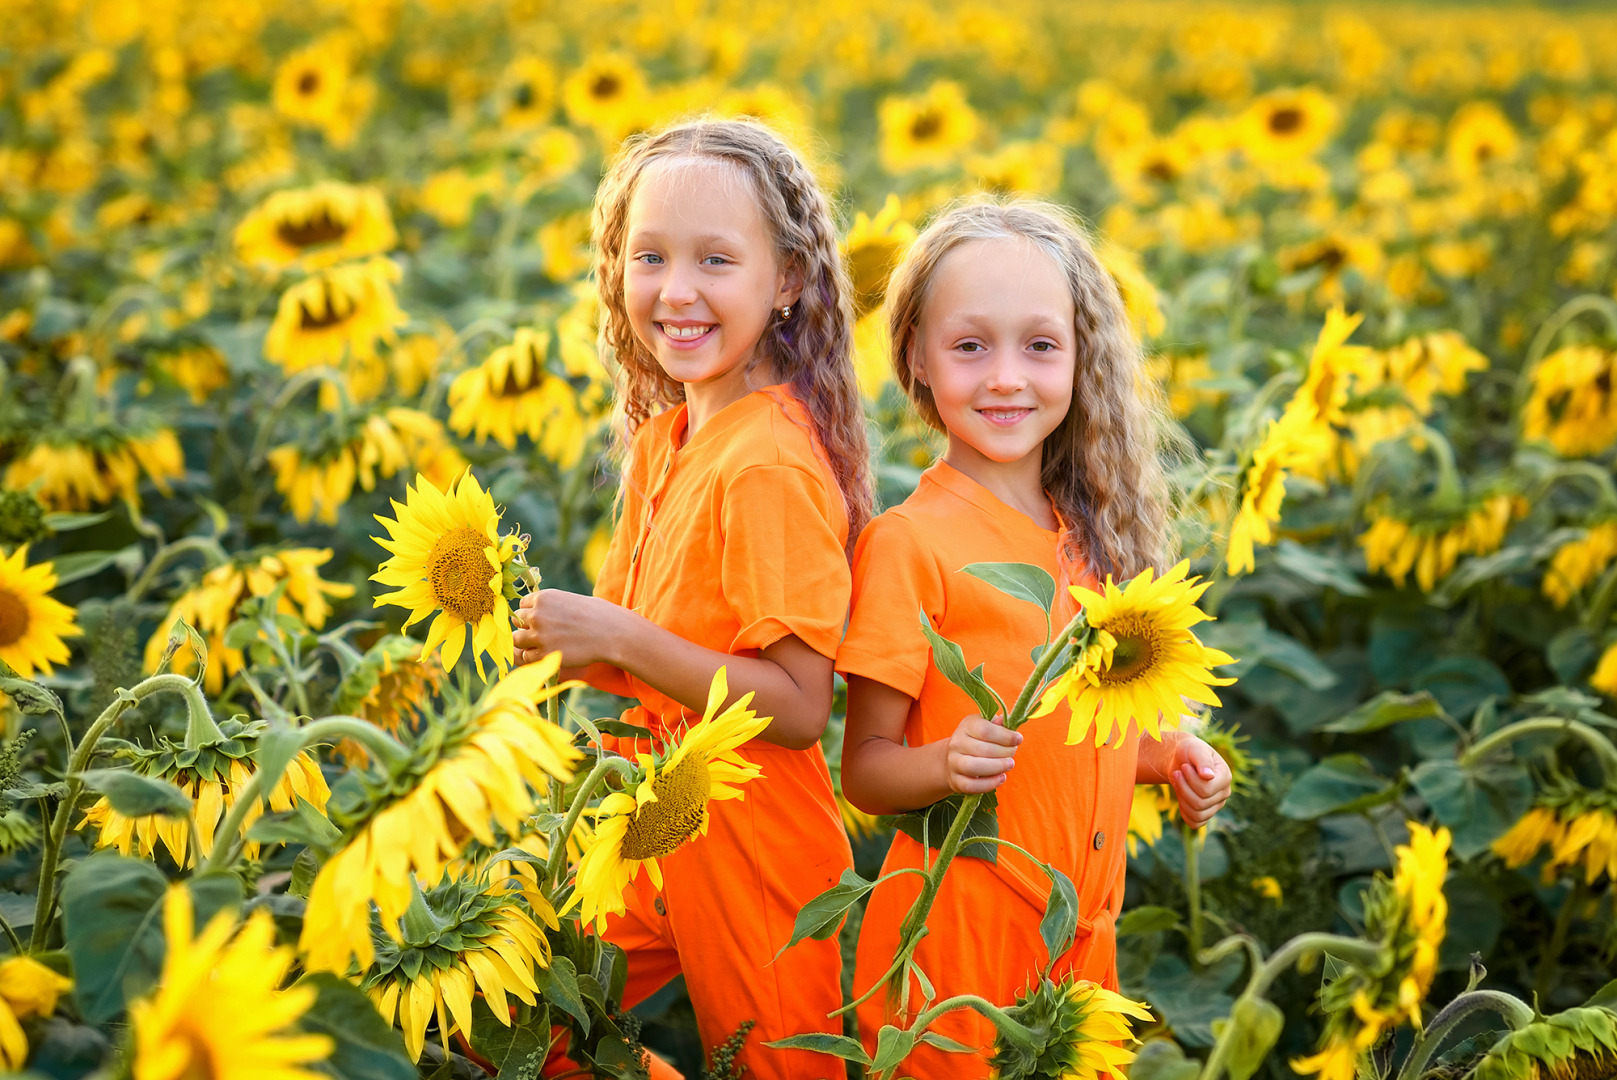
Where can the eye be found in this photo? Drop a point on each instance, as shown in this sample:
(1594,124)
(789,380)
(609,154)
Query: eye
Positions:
(716,260)
(1043,346)
(969,346)
(649,258)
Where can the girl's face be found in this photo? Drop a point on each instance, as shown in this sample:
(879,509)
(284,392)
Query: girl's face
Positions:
(996,344)
(701,279)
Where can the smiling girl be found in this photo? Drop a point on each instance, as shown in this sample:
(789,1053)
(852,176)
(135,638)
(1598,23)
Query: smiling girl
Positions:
(1011,339)
(727,309)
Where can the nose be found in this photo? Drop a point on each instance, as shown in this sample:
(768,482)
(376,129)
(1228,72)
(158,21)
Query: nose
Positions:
(679,287)
(1005,374)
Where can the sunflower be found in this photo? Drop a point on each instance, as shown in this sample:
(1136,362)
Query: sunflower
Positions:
(669,805)
(926,131)
(1285,446)
(1184,379)
(1480,136)
(1018,168)
(213,775)
(872,249)
(1284,125)
(1333,255)
(565,242)
(606,93)
(477,936)
(1141,300)
(73,475)
(314,87)
(447,557)
(467,774)
(1141,657)
(771,105)
(316,226)
(1576,1043)
(527,93)
(337,312)
(1573,405)
(388,687)
(27,988)
(211,605)
(511,393)
(1604,678)
(1146,171)
(1151,802)
(1579,561)
(1408,917)
(1576,824)
(217,1011)
(1085,1028)
(32,625)
(199,370)
(1423,367)
(1429,542)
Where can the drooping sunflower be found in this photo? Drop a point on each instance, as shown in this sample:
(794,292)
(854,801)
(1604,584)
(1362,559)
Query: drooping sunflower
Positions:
(1287,124)
(1573,405)
(1290,443)
(340,311)
(872,249)
(27,988)
(470,773)
(512,393)
(388,686)
(1579,1042)
(605,93)
(1430,541)
(1577,825)
(211,605)
(76,474)
(1141,658)
(669,805)
(1408,917)
(926,131)
(316,226)
(475,934)
(1086,1029)
(1604,678)
(217,1010)
(447,556)
(32,625)
(214,774)
(1578,562)
(1424,366)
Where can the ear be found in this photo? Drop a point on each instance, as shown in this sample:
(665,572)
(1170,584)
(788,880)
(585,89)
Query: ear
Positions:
(791,286)
(912,360)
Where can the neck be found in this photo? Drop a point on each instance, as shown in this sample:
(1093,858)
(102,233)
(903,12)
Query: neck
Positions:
(1018,484)
(704,399)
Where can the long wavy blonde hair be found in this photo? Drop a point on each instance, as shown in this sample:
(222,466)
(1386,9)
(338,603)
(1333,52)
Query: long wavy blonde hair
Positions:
(812,350)
(1102,466)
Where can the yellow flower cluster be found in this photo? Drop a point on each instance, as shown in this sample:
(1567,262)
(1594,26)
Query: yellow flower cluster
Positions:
(1573,405)
(1577,562)
(75,476)
(1579,828)
(1429,547)
(391,440)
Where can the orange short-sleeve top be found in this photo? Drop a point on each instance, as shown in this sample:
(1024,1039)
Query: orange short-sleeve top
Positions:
(732,537)
(1068,805)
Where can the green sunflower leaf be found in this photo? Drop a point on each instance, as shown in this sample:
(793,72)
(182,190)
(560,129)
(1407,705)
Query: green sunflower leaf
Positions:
(822,1043)
(1024,581)
(364,1046)
(134,795)
(821,917)
(951,662)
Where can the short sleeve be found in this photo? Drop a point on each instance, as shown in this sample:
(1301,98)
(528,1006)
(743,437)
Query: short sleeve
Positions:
(895,579)
(782,568)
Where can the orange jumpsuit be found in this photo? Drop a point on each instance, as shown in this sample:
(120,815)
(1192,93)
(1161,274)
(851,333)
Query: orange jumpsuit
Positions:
(1069,805)
(735,539)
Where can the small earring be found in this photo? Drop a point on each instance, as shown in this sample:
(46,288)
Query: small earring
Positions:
(786,312)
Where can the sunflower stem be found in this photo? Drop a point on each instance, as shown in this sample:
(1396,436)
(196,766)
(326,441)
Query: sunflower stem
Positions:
(1552,953)
(1604,598)
(77,763)
(1517,1014)
(167,554)
(1193,890)
(11,936)
(1449,493)
(558,851)
(1557,322)
(200,728)
(1024,700)
(1604,752)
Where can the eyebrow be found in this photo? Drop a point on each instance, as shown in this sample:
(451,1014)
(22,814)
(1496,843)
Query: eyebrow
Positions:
(710,240)
(1040,323)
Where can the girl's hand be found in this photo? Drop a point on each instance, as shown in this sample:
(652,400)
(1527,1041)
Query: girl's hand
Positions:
(1201,780)
(580,626)
(979,754)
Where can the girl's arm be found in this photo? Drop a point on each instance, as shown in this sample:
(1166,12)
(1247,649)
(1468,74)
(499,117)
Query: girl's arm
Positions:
(789,680)
(1199,774)
(880,775)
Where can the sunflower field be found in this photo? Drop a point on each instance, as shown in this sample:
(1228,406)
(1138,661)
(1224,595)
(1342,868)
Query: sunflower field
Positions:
(300,391)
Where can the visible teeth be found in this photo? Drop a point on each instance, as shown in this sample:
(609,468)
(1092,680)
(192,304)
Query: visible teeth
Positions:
(685,333)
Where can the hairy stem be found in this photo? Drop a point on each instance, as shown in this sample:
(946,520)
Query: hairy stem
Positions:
(1604,752)
(1515,1011)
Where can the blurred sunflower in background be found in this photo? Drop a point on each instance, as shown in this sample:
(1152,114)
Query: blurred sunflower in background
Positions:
(607,93)
(316,226)
(668,806)
(527,94)
(1578,562)
(69,475)
(27,989)
(1573,401)
(1429,542)
(1577,825)
(1142,658)
(926,131)
(341,311)
(872,249)
(511,393)
(32,625)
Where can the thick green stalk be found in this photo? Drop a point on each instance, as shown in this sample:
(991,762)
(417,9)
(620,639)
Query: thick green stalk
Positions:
(1601,604)
(558,852)
(1516,1012)
(1604,752)
(77,763)
(167,554)
(1548,962)
(1193,889)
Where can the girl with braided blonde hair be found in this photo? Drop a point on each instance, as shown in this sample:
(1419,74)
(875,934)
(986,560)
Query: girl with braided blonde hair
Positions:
(1011,339)
(726,309)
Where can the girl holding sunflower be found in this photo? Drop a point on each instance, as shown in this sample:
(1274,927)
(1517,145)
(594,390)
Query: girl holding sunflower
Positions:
(727,305)
(1012,340)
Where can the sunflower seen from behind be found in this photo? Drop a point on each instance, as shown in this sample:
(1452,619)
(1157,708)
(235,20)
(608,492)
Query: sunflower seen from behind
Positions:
(668,807)
(1085,1031)
(218,1010)
(1141,658)
(32,625)
(447,557)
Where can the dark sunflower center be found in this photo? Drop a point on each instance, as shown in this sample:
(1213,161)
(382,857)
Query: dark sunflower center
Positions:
(1136,653)
(513,385)
(13,618)
(322,228)
(1285,121)
(459,571)
(523,96)
(927,125)
(308,82)
(659,828)
(337,312)
(1161,169)
(605,87)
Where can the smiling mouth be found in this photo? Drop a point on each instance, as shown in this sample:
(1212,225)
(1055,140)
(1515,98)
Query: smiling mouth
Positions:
(1004,415)
(685,333)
